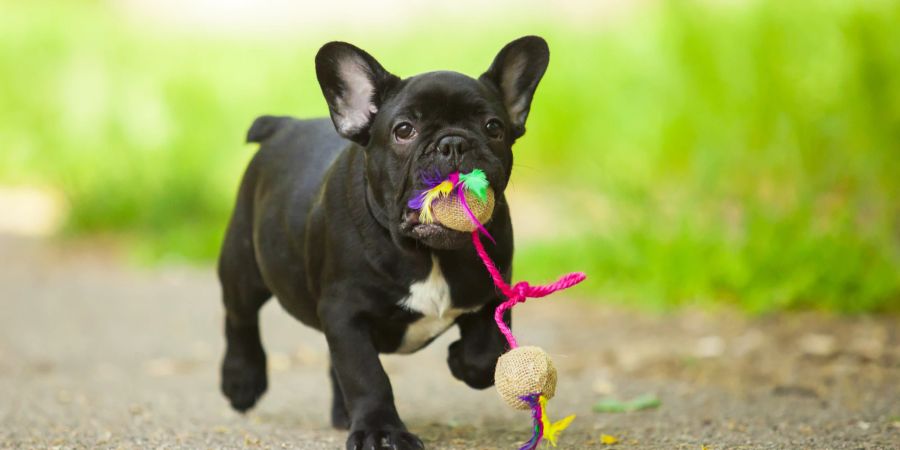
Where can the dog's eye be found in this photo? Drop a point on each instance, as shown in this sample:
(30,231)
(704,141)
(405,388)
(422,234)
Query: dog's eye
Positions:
(404,131)
(494,128)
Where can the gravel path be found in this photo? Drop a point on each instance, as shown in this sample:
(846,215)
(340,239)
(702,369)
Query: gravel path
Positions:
(96,355)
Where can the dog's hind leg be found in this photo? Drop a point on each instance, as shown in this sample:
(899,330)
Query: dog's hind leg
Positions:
(244,377)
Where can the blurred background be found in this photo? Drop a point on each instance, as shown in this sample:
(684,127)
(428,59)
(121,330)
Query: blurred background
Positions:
(727,172)
(700,152)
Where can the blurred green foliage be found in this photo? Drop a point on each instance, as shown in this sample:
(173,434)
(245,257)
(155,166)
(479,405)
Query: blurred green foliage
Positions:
(744,153)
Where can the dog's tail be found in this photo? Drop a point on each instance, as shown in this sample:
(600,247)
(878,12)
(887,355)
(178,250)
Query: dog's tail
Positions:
(264,127)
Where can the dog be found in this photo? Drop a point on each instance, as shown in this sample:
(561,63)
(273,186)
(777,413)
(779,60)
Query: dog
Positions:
(321,222)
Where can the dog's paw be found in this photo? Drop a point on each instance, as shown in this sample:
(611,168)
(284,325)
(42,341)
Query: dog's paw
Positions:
(244,380)
(475,369)
(383,440)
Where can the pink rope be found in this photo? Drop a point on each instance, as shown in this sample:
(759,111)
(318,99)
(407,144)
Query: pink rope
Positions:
(521,291)
(461,193)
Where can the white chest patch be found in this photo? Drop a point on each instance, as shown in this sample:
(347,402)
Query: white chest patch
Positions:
(430,297)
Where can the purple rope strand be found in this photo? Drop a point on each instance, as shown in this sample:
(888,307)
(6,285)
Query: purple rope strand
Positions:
(461,193)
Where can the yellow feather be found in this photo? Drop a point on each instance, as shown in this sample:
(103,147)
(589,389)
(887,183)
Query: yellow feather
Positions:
(552,430)
(444,188)
(441,190)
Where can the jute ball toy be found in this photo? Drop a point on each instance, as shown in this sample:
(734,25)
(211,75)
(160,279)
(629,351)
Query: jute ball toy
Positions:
(525,376)
(451,212)
(461,201)
(522,371)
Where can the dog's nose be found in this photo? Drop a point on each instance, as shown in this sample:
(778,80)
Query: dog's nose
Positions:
(452,145)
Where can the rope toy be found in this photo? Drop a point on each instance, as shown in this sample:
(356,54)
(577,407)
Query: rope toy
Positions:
(525,376)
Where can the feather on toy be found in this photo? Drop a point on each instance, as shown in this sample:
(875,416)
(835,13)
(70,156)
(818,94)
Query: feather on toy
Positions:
(461,201)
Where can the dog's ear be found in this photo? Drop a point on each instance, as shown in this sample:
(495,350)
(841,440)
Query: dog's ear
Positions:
(516,72)
(354,85)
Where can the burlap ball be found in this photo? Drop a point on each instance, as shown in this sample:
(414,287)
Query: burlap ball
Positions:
(449,212)
(522,371)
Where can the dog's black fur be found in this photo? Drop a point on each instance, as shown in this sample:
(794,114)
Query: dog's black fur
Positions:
(321,223)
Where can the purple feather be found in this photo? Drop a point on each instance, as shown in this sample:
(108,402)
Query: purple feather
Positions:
(418,201)
(430,181)
(533,400)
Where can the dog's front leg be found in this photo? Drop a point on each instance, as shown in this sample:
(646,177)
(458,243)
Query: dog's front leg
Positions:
(473,357)
(374,422)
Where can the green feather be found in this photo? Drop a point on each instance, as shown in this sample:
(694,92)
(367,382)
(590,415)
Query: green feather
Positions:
(475,182)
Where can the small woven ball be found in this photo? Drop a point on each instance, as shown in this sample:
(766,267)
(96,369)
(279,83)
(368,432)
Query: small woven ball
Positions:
(523,371)
(449,211)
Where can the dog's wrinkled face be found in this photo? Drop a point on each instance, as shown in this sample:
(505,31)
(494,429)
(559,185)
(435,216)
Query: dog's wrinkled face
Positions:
(430,124)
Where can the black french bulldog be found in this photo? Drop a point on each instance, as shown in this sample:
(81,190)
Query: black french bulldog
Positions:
(322,223)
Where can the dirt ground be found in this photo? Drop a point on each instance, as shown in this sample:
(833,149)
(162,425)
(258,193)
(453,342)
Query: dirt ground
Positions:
(94,354)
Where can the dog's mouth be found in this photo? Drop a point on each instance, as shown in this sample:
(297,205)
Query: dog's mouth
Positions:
(431,234)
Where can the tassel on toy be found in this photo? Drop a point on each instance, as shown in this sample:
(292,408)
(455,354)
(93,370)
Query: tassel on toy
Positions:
(461,201)
(537,418)
(552,429)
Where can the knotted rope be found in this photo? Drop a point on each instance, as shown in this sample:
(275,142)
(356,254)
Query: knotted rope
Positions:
(521,291)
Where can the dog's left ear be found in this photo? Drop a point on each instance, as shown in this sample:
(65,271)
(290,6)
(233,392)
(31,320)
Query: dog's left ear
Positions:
(354,85)
(516,72)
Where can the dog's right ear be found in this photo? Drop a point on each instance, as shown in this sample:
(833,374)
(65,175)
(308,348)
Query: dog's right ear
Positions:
(354,85)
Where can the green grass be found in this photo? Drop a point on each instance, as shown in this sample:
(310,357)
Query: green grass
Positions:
(744,153)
